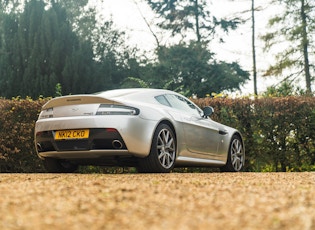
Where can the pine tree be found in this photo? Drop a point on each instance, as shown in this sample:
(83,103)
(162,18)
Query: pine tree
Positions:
(293,27)
(184,16)
(41,46)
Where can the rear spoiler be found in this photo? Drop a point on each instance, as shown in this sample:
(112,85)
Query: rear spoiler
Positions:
(77,100)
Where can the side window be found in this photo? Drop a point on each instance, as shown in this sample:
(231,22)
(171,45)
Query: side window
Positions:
(183,104)
(162,100)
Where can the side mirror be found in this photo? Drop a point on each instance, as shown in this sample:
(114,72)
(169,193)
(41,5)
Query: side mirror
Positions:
(208,111)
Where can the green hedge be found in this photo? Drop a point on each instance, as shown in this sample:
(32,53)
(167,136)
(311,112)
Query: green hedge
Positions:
(279,133)
(17,122)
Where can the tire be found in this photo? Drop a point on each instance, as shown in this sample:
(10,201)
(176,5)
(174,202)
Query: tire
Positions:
(236,156)
(58,166)
(162,154)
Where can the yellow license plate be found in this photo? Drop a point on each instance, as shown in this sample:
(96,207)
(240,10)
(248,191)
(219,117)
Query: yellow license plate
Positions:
(72,134)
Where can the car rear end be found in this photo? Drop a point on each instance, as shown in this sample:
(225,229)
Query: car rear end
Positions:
(89,126)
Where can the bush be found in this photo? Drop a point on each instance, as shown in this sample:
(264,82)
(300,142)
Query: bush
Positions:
(279,133)
(17,122)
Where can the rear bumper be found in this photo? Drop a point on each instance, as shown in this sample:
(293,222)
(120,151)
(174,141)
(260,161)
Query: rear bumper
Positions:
(83,154)
(133,132)
(98,139)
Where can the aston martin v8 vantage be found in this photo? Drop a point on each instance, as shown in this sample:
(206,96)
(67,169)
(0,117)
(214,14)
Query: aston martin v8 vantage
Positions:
(153,130)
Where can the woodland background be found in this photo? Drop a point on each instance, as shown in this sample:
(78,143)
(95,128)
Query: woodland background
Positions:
(46,44)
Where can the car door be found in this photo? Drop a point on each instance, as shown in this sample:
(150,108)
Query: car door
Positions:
(201,134)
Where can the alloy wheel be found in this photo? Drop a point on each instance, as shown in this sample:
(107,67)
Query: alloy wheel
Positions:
(166,148)
(237,155)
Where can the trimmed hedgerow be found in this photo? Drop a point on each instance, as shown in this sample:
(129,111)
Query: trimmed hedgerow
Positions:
(17,122)
(279,133)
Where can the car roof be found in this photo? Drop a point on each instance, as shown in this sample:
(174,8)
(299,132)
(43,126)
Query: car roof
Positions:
(130,95)
(133,93)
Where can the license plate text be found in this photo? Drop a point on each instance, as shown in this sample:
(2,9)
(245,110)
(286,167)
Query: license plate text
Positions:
(71,134)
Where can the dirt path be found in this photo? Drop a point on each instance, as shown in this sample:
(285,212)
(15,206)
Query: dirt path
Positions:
(158,201)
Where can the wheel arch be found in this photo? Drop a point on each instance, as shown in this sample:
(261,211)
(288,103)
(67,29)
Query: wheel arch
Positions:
(152,163)
(170,124)
(237,133)
(229,166)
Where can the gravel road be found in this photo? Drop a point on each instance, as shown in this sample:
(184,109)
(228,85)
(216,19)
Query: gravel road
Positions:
(158,201)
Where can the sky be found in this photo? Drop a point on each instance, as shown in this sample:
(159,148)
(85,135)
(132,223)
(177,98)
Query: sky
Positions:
(127,16)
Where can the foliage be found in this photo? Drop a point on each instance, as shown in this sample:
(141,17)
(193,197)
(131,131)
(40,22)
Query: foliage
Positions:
(52,47)
(56,42)
(188,66)
(182,17)
(133,82)
(279,133)
(58,90)
(41,50)
(286,88)
(292,35)
(17,150)
(191,69)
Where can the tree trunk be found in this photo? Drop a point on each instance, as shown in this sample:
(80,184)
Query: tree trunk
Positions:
(197,20)
(254,49)
(305,44)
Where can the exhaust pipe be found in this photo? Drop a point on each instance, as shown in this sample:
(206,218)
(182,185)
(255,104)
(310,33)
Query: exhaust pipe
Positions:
(39,147)
(117,144)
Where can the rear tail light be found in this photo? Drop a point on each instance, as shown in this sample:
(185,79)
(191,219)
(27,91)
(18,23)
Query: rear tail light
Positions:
(47,113)
(109,109)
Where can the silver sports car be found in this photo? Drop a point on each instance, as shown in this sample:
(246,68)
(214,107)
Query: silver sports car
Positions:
(153,130)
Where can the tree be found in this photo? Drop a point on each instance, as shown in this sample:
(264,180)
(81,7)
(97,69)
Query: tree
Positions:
(9,63)
(254,48)
(293,30)
(191,69)
(286,88)
(184,16)
(9,5)
(42,49)
(188,66)
(50,48)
